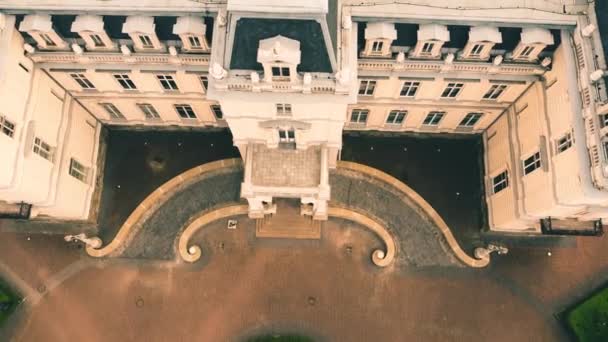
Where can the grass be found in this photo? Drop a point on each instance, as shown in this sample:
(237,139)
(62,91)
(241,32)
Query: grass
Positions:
(588,321)
(280,338)
(8,302)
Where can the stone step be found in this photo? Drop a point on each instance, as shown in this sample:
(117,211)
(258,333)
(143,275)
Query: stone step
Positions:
(293,227)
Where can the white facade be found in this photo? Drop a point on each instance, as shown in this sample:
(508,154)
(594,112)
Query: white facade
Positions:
(526,79)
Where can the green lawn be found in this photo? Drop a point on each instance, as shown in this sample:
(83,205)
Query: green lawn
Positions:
(8,302)
(589,320)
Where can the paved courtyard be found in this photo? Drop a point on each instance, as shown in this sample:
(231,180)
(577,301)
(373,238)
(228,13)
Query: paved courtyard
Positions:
(245,285)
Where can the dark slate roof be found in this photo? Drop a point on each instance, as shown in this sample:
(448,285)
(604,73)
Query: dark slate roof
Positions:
(249,32)
(164,28)
(601,10)
(459,35)
(63,25)
(510,38)
(113,26)
(407,34)
(557,40)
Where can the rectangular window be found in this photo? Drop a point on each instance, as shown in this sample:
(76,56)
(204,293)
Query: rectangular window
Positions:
(532,163)
(287,135)
(185,111)
(527,51)
(359,116)
(433,118)
(167,82)
(470,119)
(146,41)
(97,41)
(495,91)
(149,111)
(195,42)
(427,48)
(452,90)
(125,82)
(500,182)
(112,111)
(47,39)
(377,46)
(217,111)
(564,143)
(409,89)
(284,109)
(78,171)
(367,87)
(396,117)
(204,82)
(7,127)
(42,149)
(280,73)
(82,81)
(476,50)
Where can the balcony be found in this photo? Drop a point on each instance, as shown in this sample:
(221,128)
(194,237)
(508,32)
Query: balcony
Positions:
(118,58)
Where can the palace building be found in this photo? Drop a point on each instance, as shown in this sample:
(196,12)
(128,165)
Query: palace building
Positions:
(288,78)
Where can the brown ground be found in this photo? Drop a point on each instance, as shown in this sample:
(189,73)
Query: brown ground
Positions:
(316,288)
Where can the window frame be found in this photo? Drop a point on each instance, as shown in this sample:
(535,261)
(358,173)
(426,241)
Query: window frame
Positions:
(283,72)
(287,135)
(398,117)
(146,41)
(97,40)
(125,81)
(82,81)
(284,109)
(495,91)
(167,82)
(7,127)
(216,109)
(427,48)
(452,90)
(195,38)
(47,39)
(431,118)
(473,117)
(42,149)
(564,143)
(358,113)
(204,80)
(408,87)
(532,163)
(189,113)
(477,49)
(112,110)
(369,89)
(377,47)
(78,170)
(149,111)
(500,181)
(526,51)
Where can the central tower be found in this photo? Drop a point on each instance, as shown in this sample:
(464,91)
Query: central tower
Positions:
(284,78)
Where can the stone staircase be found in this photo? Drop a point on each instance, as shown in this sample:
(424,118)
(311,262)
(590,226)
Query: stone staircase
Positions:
(287,223)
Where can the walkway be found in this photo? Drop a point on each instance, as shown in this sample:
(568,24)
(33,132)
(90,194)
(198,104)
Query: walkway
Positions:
(155,234)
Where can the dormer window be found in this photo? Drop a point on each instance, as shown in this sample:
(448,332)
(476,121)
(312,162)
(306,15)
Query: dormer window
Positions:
(280,57)
(481,41)
(91,29)
(146,42)
(431,38)
(378,39)
(142,31)
(40,28)
(533,42)
(191,31)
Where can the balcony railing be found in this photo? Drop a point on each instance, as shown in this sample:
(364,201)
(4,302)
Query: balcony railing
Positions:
(316,86)
(118,58)
(457,66)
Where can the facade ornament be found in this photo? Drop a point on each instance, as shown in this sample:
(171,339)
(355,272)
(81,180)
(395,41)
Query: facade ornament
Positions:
(497,60)
(484,253)
(449,59)
(307,79)
(255,77)
(2,21)
(172,51)
(343,76)
(546,62)
(77,49)
(29,48)
(93,242)
(401,57)
(218,72)
(125,50)
(221,19)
